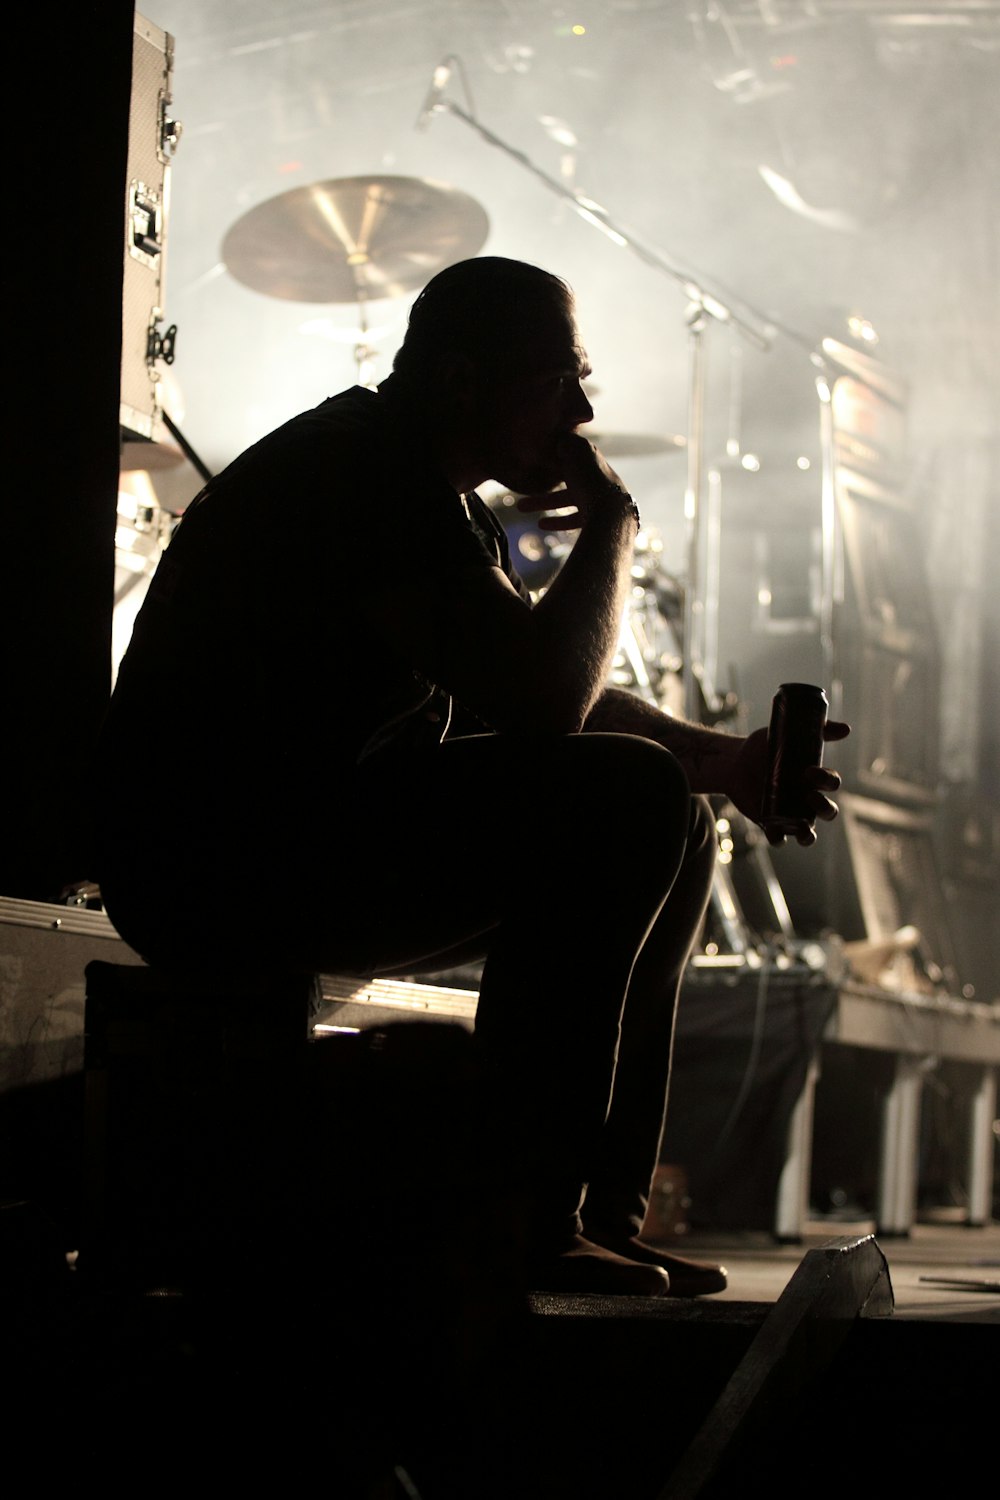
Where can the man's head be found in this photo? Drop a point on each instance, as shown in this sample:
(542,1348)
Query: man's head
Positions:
(479,309)
(492,344)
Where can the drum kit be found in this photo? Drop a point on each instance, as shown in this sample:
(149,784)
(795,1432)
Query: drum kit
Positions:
(142,530)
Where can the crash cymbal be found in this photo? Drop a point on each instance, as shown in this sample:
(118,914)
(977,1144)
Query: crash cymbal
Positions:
(353,238)
(635,444)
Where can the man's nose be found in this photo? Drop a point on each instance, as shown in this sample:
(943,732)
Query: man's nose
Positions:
(581,410)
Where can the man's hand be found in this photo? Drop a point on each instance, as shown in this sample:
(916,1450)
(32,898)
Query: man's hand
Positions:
(589,483)
(749,775)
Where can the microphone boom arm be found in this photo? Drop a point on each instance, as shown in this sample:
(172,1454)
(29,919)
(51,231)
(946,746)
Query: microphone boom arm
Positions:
(594,214)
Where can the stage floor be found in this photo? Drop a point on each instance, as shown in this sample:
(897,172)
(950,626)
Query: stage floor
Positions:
(943,1270)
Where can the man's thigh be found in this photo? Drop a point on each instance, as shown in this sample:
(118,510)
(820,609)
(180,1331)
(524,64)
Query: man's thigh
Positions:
(417,862)
(424,862)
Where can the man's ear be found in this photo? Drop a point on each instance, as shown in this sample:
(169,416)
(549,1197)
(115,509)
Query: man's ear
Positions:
(459,377)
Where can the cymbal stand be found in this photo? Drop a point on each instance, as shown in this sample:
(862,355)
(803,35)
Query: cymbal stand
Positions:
(364,354)
(702,306)
(692,661)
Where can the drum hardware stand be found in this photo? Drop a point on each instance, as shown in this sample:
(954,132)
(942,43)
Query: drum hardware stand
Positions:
(702,306)
(186,448)
(364,354)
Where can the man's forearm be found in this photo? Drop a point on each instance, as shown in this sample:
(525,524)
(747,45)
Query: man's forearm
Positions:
(707,755)
(734,765)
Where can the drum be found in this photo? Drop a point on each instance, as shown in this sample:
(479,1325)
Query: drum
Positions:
(650,660)
(536,555)
(142,530)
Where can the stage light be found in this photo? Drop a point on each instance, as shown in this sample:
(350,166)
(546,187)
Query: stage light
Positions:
(558,130)
(531,547)
(861,329)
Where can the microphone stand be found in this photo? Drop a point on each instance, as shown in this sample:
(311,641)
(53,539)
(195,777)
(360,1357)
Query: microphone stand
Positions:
(702,305)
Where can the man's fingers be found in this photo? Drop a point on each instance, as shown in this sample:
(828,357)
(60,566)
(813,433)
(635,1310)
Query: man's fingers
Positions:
(822,808)
(834,729)
(821,779)
(554,501)
(551,500)
(569,522)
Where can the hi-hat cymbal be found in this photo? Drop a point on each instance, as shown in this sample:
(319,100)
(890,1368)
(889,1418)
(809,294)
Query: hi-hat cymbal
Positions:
(353,238)
(635,444)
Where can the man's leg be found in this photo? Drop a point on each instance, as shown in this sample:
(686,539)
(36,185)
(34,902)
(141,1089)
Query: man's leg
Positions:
(618,1195)
(554,983)
(416,862)
(561,929)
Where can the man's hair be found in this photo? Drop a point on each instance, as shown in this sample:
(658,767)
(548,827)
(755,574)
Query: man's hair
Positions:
(485,308)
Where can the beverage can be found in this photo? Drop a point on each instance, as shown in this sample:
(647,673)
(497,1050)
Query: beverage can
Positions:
(794,743)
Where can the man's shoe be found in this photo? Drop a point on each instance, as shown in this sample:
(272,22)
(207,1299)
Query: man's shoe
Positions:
(688,1278)
(588,1268)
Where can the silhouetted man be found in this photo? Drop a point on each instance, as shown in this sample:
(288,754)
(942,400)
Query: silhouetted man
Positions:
(350,683)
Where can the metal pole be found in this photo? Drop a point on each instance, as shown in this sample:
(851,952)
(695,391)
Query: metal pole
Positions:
(692,663)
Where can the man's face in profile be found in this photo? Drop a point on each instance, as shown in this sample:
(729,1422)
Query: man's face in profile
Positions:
(531,402)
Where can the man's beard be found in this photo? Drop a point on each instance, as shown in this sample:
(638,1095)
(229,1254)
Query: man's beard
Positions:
(527,476)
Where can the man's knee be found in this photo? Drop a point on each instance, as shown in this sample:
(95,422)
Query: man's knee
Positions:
(627,797)
(665,791)
(702,849)
(648,771)
(651,784)
(704,827)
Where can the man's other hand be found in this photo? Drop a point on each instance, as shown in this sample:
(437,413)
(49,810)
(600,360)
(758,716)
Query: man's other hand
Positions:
(749,777)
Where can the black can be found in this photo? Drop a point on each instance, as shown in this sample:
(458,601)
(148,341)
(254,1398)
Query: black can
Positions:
(794,743)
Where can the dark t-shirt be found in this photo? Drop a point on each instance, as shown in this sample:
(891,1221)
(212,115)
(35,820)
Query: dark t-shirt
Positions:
(260,674)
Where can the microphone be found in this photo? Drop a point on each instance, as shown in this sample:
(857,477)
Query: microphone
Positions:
(438,85)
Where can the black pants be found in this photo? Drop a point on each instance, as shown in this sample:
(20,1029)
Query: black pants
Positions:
(420,868)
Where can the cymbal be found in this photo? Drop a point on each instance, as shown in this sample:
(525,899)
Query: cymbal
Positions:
(352,238)
(635,444)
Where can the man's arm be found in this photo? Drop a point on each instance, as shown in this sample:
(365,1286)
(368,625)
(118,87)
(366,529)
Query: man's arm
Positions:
(526,669)
(732,765)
